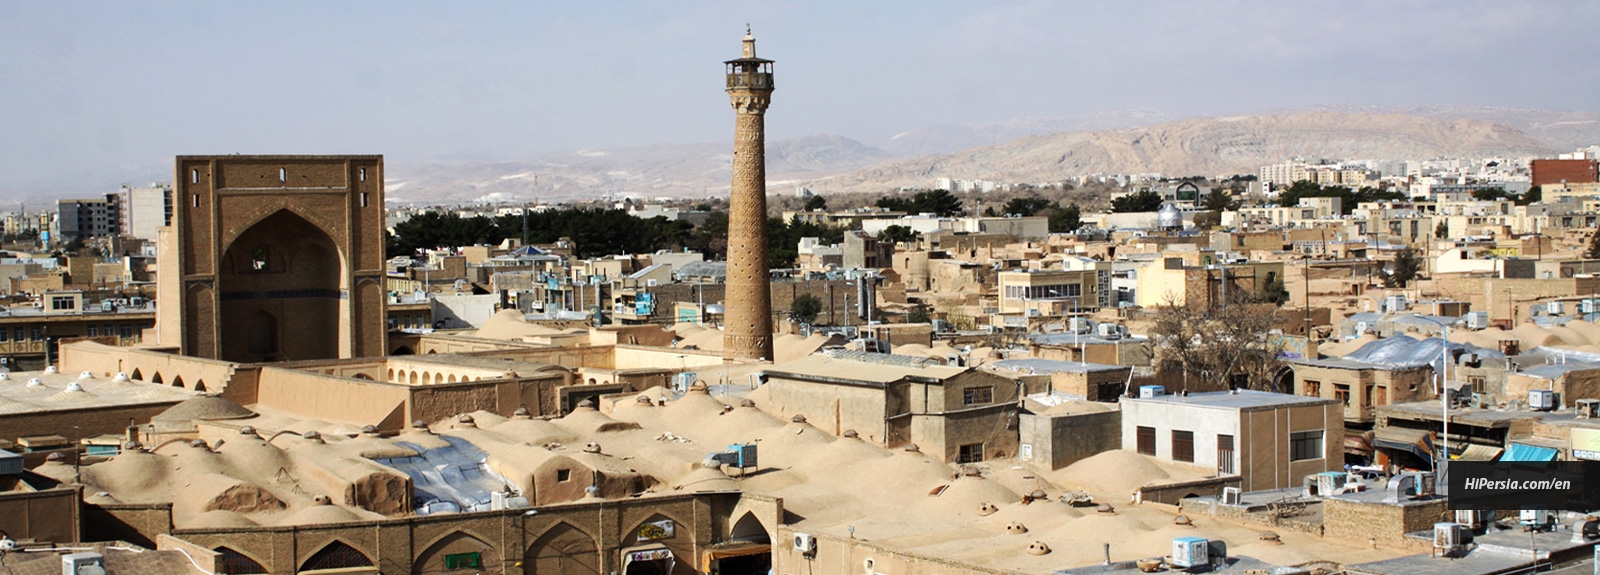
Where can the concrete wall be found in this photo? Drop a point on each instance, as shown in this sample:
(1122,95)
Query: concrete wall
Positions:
(1263,446)
(848,555)
(832,408)
(1060,441)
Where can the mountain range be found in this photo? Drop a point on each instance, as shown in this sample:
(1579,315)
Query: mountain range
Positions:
(1024,150)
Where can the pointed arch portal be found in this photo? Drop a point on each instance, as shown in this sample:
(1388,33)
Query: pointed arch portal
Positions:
(281,284)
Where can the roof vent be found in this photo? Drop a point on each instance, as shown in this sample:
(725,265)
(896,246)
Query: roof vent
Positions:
(1038,548)
(369,430)
(466,421)
(912,448)
(313,436)
(34,382)
(75,387)
(51,369)
(522,413)
(1105,508)
(85,374)
(851,434)
(986,509)
(120,377)
(591,491)
(798,419)
(57,456)
(591,447)
(131,445)
(322,500)
(743,403)
(5,376)
(247,430)
(645,400)
(1016,528)
(198,444)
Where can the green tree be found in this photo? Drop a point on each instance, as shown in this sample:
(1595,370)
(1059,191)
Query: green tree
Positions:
(816,203)
(804,309)
(1207,220)
(1144,201)
(1219,200)
(1065,219)
(938,202)
(1489,194)
(1442,230)
(897,234)
(1534,195)
(1275,293)
(1593,252)
(1023,206)
(1406,266)
(918,314)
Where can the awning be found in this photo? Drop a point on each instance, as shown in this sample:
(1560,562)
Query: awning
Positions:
(736,549)
(1520,452)
(1414,441)
(1357,444)
(1475,452)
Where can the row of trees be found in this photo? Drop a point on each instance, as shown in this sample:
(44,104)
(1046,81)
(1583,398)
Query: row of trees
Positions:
(1348,198)
(598,232)
(1063,219)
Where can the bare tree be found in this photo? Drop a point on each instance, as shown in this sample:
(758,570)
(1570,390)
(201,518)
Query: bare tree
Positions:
(1233,345)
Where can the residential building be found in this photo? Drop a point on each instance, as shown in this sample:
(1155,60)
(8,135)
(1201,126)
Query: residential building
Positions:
(1269,440)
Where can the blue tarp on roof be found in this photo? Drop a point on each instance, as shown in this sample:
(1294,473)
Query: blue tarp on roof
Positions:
(1403,351)
(1520,452)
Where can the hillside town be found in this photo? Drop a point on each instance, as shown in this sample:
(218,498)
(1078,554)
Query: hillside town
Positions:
(265,364)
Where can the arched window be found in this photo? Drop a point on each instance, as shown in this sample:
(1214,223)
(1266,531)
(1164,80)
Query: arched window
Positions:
(236,563)
(336,555)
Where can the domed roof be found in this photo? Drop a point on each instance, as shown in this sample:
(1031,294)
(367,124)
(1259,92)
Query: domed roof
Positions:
(204,408)
(1169,216)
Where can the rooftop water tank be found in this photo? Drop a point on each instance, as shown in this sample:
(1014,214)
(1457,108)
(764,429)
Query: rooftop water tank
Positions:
(1170,217)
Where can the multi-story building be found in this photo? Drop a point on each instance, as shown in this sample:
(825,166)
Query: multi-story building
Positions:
(1049,290)
(90,218)
(145,209)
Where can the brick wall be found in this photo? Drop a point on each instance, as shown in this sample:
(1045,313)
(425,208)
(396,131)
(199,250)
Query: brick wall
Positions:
(1384,523)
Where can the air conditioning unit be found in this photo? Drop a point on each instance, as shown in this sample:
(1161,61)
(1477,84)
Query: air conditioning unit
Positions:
(651,283)
(1394,303)
(1231,496)
(85,563)
(1477,320)
(1472,518)
(1541,399)
(805,543)
(1555,308)
(1362,328)
(1589,305)
(1149,391)
(1078,325)
(1109,331)
(1450,537)
(1190,552)
(1588,408)
(1536,519)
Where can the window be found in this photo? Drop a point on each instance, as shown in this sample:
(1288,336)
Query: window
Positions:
(1341,392)
(1225,455)
(1312,388)
(94,330)
(362,175)
(283,175)
(977,395)
(20,334)
(363,198)
(36,333)
(1305,445)
(1183,446)
(1147,440)
(62,303)
(4,334)
(1380,396)
(258,259)
(969,453)
(1479,385)
(471,560)
(563,474)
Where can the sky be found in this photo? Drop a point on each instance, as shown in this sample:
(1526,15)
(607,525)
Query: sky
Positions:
(93,94)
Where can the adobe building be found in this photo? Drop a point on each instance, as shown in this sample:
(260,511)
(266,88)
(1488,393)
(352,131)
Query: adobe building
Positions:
(284,254)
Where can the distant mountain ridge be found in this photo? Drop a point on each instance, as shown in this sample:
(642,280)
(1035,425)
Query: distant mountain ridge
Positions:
(831,163)
(1203,146)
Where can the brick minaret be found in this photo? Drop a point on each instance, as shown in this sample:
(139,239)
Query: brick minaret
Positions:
(747,332)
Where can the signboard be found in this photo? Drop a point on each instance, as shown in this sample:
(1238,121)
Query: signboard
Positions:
(642,304)
(651,555)
(1292,346)
(1586,444)
(688,313)
(656,530)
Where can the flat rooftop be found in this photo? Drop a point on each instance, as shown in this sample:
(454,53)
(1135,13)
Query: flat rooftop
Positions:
(1239,399)
(1045,366)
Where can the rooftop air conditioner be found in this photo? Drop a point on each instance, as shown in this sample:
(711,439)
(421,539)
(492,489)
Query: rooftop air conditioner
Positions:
(1231,496)
(1477,320)
(1449,538)
(1541,399)
(1588,408)
(86,563)
(805,543)
(1555,308)
(1190,552)
(1149,391)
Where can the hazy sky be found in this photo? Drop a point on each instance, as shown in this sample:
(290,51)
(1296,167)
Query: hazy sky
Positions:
(95,93)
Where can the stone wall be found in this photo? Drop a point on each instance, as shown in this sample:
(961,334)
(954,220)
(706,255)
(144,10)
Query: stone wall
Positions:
(1385,524)
(49,515)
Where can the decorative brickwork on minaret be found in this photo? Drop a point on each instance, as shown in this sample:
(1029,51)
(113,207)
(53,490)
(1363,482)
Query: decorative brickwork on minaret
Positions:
(747,331)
